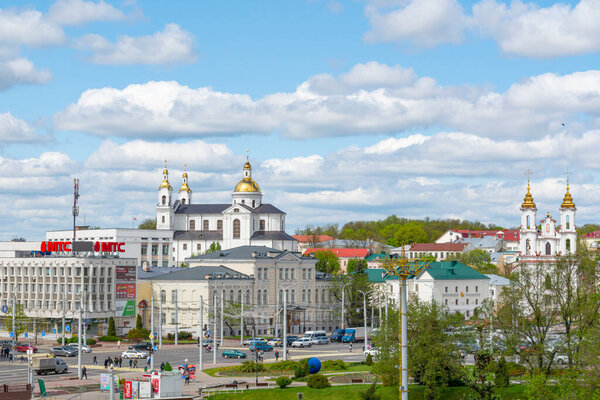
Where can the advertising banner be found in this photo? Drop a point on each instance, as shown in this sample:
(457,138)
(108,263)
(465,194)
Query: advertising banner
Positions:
(125,308)
(127,392)
(135,389)
(126,273)
(125,291)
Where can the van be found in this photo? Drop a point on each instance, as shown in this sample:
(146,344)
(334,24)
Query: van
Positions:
(349,336)
(314,334)
(337,335)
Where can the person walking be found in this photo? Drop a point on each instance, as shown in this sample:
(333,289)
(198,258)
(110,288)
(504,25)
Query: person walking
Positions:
(162,366)
(276,355)
(187,376)
(120,361)
(130,363)
(84,372)
(118,344)
(135,363)
(350,347)
(95,362)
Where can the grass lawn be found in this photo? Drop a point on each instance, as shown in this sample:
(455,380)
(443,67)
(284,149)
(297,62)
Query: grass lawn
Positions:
(352,392)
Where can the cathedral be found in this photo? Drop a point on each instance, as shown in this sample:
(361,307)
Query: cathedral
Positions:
(542,241)
(244,221)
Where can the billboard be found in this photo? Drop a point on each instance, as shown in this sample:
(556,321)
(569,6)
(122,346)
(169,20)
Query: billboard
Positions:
(125,308)
(126,273)
(125,291)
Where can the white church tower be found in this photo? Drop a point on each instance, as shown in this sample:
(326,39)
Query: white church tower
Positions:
(185,193)
(247,191)
(529,231)
(164,211)
(568,240)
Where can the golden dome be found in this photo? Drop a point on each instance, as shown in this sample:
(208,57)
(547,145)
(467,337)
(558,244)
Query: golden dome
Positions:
(165,182)
(247,185)
(567,200)
(185,188)
(528,200)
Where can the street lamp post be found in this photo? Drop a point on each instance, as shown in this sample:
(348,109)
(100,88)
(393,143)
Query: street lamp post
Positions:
(403,268)
(343,303)
(365,316)
(242,320)
(152,329)
(176,318)
(200,359)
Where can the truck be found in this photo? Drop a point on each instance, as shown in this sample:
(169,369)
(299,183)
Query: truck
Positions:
(45,365)
(352,335)
(337,335)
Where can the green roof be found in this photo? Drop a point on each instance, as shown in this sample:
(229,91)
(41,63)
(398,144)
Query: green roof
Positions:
(452,270)
(376,256)
(375,275)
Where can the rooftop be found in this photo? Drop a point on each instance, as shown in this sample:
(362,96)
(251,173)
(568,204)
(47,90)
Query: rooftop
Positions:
(344,253)
(199,273)
(452,270)
(244,253)
(438,246)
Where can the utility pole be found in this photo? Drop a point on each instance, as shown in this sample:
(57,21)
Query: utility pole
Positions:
(200,360)
(111,385)
(365,316)
(242,321)
(343,299)
(75,208)
(152,329)
(14,316)
(285,325)
(64,300)
(176,318)
(277,316)
(222,305)
(215,326)
(372,316)
(79,343)
(160,318)
(84,308)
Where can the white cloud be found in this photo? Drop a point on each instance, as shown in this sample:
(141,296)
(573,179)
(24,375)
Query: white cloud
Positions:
(422,22)
(371,98)
(20,70)
(14,130)
(172,45)
(76,12)
(28,27)
(526,29)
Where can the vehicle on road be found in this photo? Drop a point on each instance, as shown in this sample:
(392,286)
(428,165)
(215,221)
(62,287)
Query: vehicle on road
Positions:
(84,348)
(63,351)
(207,342)
(22,348)
(337,335)
(355,335)
(254,339)
(233,354)
(141,346)
(372,351)
(6,343)
(134,354)
(260,345)
(44,365)
(317,337)
(561,359)
(291,339)
(321,340)
(275,342)
(302,342)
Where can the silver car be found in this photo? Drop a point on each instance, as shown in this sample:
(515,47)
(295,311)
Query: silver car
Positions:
(63,351)
(320,340)
(84,348)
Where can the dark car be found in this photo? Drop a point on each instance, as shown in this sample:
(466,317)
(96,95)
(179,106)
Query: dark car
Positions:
(291,339)
(141,346)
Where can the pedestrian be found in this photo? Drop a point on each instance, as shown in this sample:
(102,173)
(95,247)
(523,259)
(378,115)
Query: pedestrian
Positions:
(95,362)
(83,372)
(148,362)
(162,366)
(187,376)
(350,347)
(135,363)
(118,344)
(287,353)
(116,361)
(120,361)
(105,363)
(130,363)
(11,357)
(276,355)
(22,359)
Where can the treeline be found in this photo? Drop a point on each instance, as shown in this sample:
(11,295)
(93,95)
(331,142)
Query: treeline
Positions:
(394,230)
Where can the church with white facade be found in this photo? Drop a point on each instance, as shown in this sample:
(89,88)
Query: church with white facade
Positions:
(243,222)
(544,240)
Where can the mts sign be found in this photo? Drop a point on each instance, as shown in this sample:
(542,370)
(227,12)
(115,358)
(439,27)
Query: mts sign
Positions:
(109,247)
(66,247)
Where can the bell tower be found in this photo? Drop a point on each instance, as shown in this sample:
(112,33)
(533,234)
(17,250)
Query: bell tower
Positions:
(164,210)
(568,230)
(528,231)
(185,193)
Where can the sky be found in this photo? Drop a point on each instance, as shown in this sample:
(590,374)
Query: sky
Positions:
(350,110)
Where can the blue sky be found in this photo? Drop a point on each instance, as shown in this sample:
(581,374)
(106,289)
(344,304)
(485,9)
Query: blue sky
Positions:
(350,109)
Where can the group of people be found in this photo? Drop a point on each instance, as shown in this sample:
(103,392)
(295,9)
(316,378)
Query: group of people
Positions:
(110,362)
(7,353)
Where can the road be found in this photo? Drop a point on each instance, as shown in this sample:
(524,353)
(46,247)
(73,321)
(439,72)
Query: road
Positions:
(175,355)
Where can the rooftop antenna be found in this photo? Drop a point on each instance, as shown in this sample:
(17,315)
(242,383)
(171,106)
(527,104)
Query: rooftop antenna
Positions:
(75,207)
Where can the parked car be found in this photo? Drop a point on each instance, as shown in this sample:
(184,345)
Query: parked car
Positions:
(275,342)
(6,343)
(63,351)
(337,335)
(302,342)
(84,348)
(260,345)
(141,346)
(320,340)
(291,339)
(253,339)
(233,354)
(134,354)
(22,348)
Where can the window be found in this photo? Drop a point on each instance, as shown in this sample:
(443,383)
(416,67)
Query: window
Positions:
(476,301)
(185,246)
(308,274)
(173,318)
(456,289)
(205,224)
(198,247)
(239,296)
(286,274)
(236,228)
(528,222)
(416,287)
(174,296)
(280,296)
(154,249)
(258,297)
(182,201)
(568,224)
(309,297)
(163,318)
(231,296)
(476,288)
(292,273)
(446,301)
(192,225)
(304,295)
(323,296)
(265,297)
(262,225)
(253,203)
(467,301)
(144,250)
(280,274)
(293,296)
(164,200)
(548,249)
(467,289)
(568,244)
(456,302)
(304,274)
(248,298)
(446,289)
(220,225)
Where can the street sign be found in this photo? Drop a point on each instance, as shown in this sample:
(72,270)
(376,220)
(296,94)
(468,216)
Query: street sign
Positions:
(25,334)
(43,333)
(67,328)
(155,348)
(4,309)
(151,336)
(29,352)
(54,331)
(207,334)
(11,334)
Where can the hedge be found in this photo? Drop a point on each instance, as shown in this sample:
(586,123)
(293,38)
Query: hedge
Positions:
(109,339)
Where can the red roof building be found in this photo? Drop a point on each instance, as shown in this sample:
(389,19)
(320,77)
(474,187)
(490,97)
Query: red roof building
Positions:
(441,251)
(312,238)
(343,254)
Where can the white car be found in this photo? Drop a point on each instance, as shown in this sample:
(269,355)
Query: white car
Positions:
(84,348)
(320,340)
(254,339)
(302,342)
(372,351)
(275,342)
(134,354)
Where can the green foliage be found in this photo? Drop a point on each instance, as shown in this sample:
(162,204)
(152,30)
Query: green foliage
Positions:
(327,262)
(283,381)
(501,377)
(168,367)
(139,323)
(181,335)
(108,338)
(353,298)
(411,232)
(317,381)
(112,331)
(148,223)
(72,339)
(482,387)
(369,360)
(213,248)
(332,230)
(288,365)
(300,371)
(21,320)
(141,333)
(478,259)
(334,365)
(370,393)
(90,341)
(251,366)
(356,265)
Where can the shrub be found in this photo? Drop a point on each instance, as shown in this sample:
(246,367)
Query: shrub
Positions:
(109,339)
(168,367)
(112,331)
(334,365)
(501,378)
(370,393)
(90,341)
(299,372)
(318,381)
(283,381)
(288,365)
(139,324)
(250,366)
(369,360)
(142,333)
(72,339)
(183,335)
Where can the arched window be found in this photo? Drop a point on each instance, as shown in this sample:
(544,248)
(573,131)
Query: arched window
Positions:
(239,297)
(568,222)
(304,295)
(323,296)
(548,249)
(265,297)
(192,225)
(243,201)
(205,225)
(163,219)
(309,298)
(568,245)
(236,228)
(258,297)
(182,201)
(527,246)
(220,225)
(164,200)
(293,296)
(262,225)
(163,296)
(528,222)
(316,296)
(253,203)
(231,296)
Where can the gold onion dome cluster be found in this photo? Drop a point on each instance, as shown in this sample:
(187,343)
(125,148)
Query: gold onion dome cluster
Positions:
(567,200)
(247,184)
(165,182)
(528,201)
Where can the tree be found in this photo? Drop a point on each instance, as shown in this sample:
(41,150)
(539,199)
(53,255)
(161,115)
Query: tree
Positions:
(139,323)
(112,331)
(356,265)
(409,233)
(327,262)
(481,383)
(478,259)
(213,248)
(22,321)
(351,284)
(148,223)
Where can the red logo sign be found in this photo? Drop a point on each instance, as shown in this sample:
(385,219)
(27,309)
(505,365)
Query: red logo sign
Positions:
(55,246)
(127,390)
(108,247)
